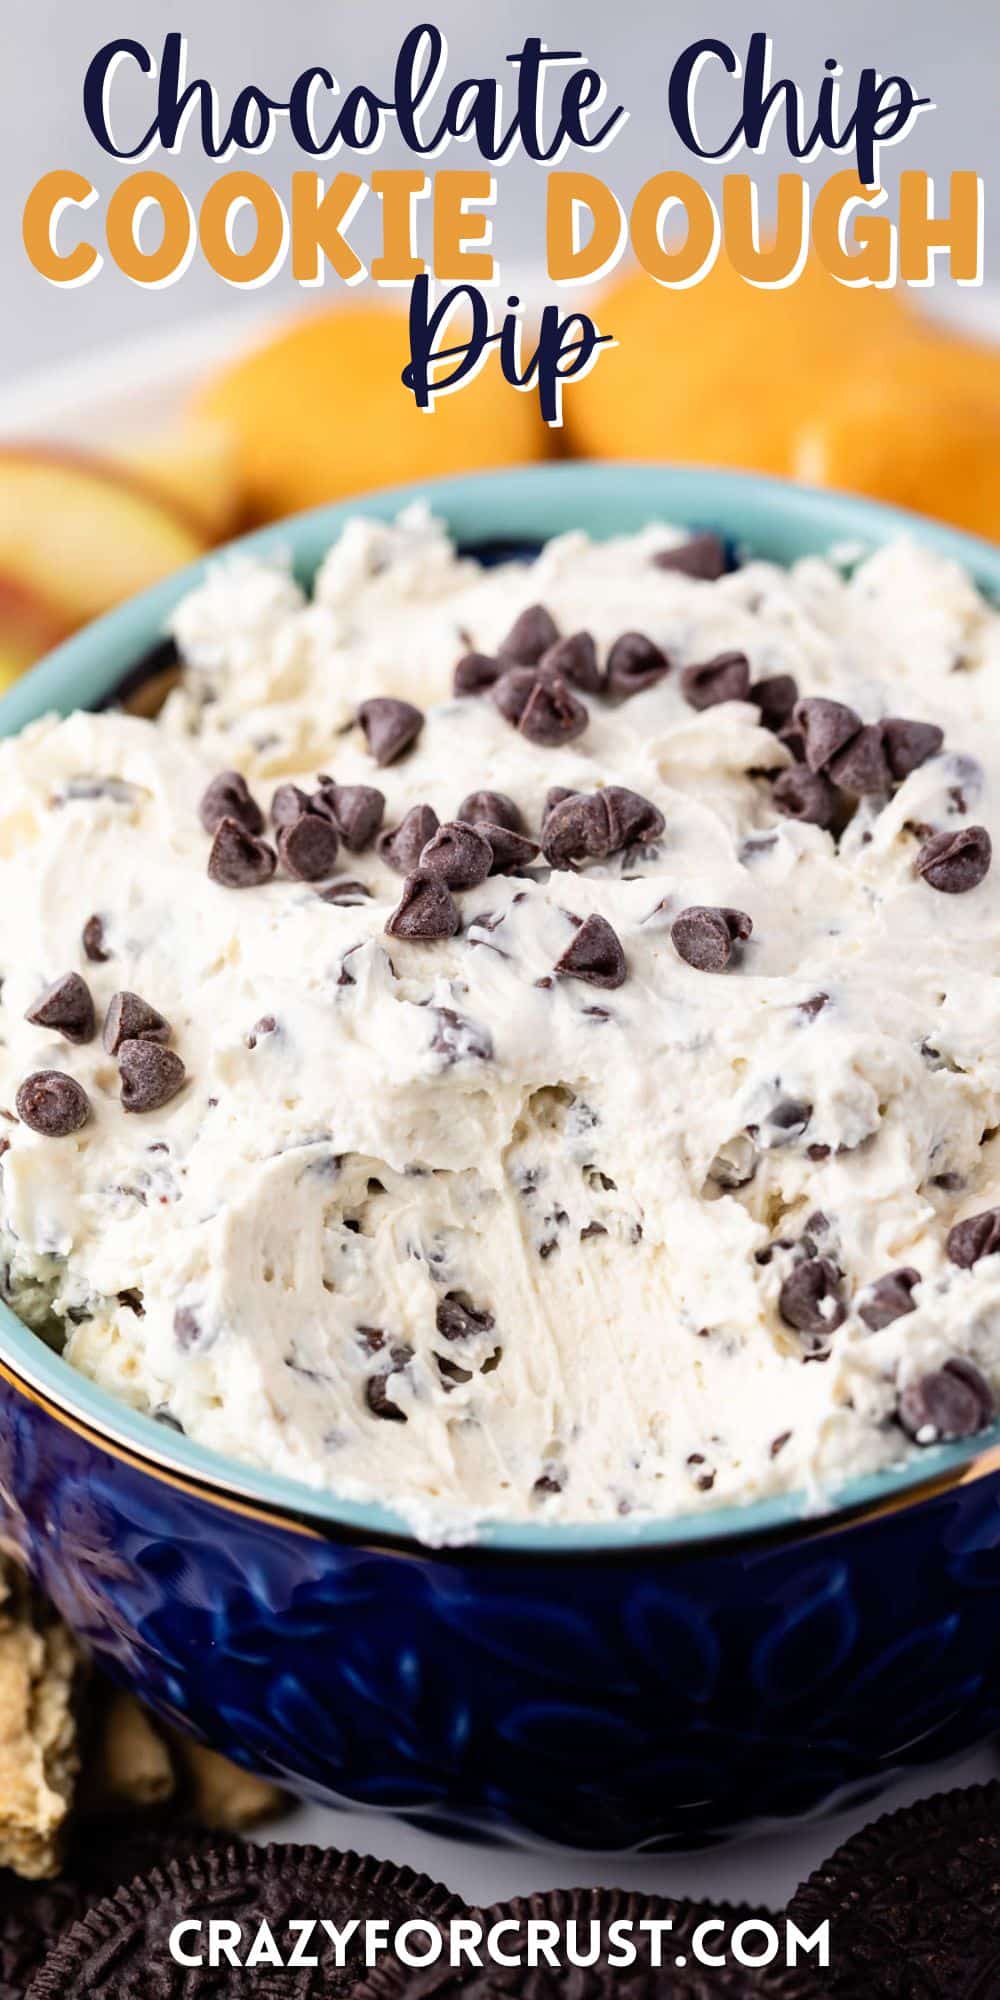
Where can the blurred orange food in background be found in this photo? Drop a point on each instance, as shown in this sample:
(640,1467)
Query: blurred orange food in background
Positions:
(832,385)
(319,413)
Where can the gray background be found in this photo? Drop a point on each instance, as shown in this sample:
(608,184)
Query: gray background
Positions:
(948,53)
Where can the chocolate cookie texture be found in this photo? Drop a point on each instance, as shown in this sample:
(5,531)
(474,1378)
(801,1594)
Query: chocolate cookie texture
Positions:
(120,1949)
(913,1903)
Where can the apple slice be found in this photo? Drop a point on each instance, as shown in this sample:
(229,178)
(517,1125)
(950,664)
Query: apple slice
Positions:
(82,534)
(196,469)
(29,628)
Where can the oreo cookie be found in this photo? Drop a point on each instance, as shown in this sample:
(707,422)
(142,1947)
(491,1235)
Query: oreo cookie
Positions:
(913,1903)
(669,1963)
(103,1855)
(262,1907)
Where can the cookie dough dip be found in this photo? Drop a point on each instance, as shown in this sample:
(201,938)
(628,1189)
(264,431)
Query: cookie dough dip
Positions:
(522,1042)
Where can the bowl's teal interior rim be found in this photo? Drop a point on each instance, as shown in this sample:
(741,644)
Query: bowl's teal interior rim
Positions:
(764,517)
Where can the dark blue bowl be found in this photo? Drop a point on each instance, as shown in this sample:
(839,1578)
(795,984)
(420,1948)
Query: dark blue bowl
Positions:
(654,1685)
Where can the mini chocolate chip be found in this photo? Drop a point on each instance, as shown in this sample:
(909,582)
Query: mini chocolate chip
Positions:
(131,1019)
(811,1286)
(513,691)
(52,1103)
(150,1075)
(554,797)
(814,1005)
(267,1025)
(595,955)
(909,744)
(92,937)
(954,1401)
(509,850)
(457,855)
(575,659)
(530,636)
(356,811)
(475,672)
(634,663)
(778,1444)
(704,938)
(380,1402)
(775,696)
(345,892)
(238,860)
(426,911)
(400,847)
(956,862)
(978,1236)
(631,817)
(725,678)
(826,726)
(460,1040)
(703,557)
(228,797)
(889,1298)
(805,795)
(789,1118)
(288,804)
(552,714)
(390,726)
(187,1327)
(131,1301)
(458,1319)
(494,806)
(308,848)
(67,1007)
(862,766)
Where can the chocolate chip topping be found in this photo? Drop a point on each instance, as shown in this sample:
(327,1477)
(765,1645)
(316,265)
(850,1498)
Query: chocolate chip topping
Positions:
(588,826)
(634,663)
(862,766)
(390,726)
(92,939)
(379,1400)
(889,1298)
(67,1007)
(805,795)
(703,557)
(52,1103)
(978,1236)
(705,938)
(457,855)
(530,636)
(426,911)
(810,1299)
(513,691)
(458,1319)
(826,726)
(724,678)
(131,1019)
(308,848)
(288,804)
(956,862)
(228,797)
(493,806)
(909,744)
(238,860)
(346,892)
(150,1075)
(575,659)
(510,850)
(954,1401)
(400,847)
(595,955)
(775,696)
(475,672)
(552,714)
(355,810)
